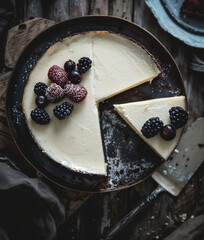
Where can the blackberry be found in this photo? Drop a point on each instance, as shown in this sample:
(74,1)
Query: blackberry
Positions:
(168,132)
(178,116)
(84,64)
(63,110)
(40,116)
(69,66)
(152,127)
(40,88)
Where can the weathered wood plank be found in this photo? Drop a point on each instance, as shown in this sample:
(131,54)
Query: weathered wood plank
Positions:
(62,10)
(57,10)
(6,141)
(20,36)
(99,7)
(32,9)
(123,9)
(138,12)
(79,8)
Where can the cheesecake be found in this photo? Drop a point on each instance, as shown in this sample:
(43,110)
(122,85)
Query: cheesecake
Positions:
(118,64)
(137,113)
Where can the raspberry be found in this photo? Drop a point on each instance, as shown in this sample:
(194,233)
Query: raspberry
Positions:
(40,116)
(57,75)
(77,93)
(152,127)
(63,110)
(40,88)
(178,116)
(84,64)
(69,66)
(54,93)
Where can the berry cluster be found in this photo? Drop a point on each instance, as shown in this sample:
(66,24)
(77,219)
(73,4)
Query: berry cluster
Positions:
(65,82)
(39,115)
(178,118)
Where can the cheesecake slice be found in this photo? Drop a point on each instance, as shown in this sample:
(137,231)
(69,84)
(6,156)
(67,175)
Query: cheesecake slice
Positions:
(137,113)
(118,64)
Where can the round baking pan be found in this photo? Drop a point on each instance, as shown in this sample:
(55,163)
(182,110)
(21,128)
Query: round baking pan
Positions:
(130,160)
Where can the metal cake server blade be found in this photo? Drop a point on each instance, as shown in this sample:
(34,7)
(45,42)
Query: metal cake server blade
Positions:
(174,174)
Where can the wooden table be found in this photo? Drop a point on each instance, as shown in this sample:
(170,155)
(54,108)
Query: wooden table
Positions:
(104,210)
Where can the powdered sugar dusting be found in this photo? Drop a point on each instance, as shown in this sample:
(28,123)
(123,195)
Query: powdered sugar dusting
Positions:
(17,113)
(76,93)
(124,163)
(54,93)
(57,75)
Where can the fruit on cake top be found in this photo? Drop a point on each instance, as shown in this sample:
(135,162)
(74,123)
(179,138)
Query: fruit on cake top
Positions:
(75,75)
(157,121)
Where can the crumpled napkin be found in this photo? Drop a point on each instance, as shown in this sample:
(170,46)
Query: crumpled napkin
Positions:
(29,209)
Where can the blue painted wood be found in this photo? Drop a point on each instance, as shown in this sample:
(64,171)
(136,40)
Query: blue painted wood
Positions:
(166,21)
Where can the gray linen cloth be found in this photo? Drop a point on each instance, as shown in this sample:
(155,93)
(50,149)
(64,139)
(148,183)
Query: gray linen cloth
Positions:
(29,209)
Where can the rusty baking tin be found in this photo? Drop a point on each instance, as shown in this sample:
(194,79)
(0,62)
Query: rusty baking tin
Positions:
(134,160)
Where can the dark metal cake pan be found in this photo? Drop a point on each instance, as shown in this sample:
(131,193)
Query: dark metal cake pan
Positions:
(134,160)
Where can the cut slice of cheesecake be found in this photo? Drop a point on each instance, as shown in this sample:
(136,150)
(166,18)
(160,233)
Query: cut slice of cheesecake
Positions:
(137,113)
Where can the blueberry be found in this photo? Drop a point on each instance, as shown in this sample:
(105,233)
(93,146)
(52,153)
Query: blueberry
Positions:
(168,132)
(69,66)
(41,101)
(74,77)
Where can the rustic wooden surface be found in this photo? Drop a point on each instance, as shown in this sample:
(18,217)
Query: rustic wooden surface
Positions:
(104,210)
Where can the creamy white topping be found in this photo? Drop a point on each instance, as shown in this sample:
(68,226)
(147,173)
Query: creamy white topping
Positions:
(118,64)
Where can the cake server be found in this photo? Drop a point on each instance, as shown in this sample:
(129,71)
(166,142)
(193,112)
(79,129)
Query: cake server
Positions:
(174,174)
